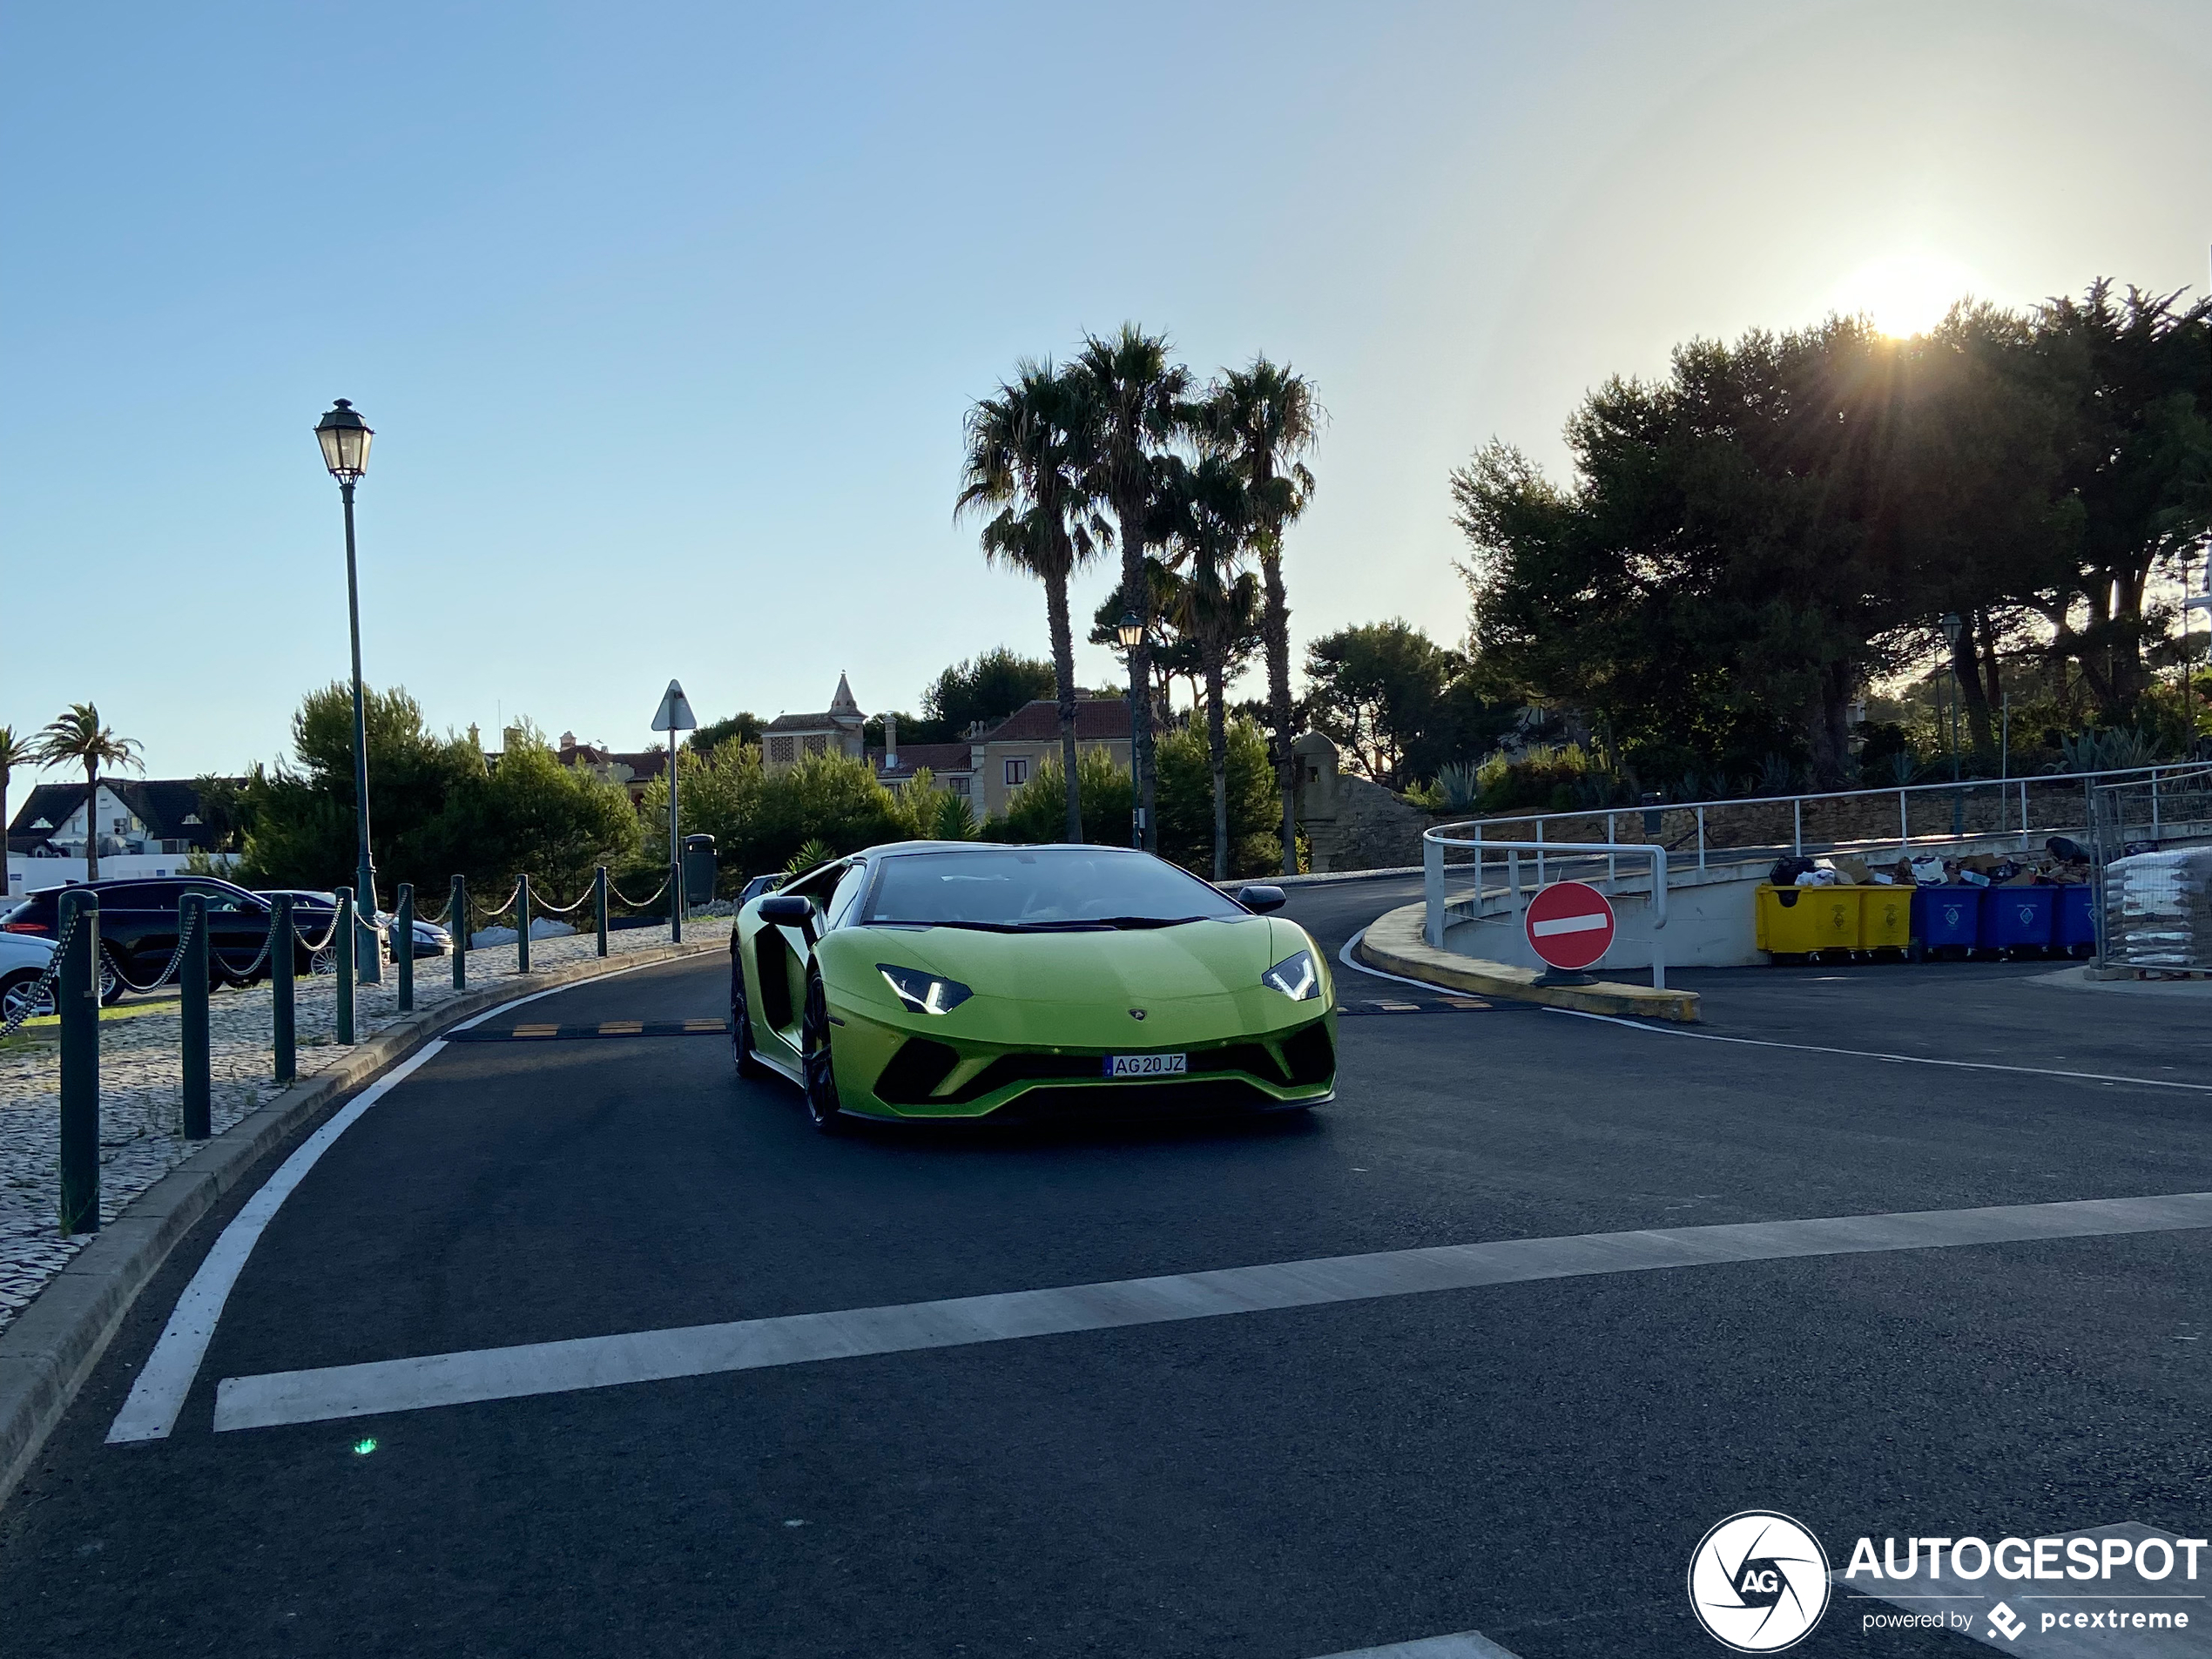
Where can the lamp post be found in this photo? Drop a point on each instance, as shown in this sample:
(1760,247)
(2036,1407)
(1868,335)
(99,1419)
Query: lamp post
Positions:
(1131,630)
(344,437)
(1953,627)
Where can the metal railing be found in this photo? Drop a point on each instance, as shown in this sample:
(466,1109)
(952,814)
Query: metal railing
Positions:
(1436,905)
(2016,802)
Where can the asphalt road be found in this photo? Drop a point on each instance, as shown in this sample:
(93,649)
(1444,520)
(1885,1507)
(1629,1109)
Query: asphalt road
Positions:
(1534,1461)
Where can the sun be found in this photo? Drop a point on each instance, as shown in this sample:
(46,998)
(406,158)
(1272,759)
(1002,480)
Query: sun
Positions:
(1904,294)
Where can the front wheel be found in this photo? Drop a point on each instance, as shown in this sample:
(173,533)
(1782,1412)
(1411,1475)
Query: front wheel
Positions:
(20,998)
(111,980)
(822,1108)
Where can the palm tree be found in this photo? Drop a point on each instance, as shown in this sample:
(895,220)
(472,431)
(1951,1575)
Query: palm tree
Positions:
(76,736)
(1134,406)
(1270,418)
(14,751)
(1217,604)
(1022,460)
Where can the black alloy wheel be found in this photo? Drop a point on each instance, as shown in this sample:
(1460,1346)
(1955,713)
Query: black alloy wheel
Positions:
(814,1046)
(741,1025)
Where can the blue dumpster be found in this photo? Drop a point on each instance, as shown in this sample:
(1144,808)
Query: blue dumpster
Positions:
(2074,928)
(1946,918)
(2017,918)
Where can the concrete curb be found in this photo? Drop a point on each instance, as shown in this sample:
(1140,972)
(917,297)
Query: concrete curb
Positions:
(51,1346)
(1393,943)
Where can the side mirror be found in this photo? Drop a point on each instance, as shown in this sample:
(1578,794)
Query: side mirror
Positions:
(786,910)
(1260,901)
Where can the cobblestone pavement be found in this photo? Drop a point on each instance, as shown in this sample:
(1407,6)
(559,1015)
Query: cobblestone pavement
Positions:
(141,1089)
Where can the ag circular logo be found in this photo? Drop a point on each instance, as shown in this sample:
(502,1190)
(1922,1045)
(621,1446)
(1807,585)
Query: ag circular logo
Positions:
(1758,1582)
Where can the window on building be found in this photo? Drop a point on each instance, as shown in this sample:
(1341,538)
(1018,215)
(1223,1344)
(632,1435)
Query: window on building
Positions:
(1017,771)
(779,749)
(817,746)
(958,786)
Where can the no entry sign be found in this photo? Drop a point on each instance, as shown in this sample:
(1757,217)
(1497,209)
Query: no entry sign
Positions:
(1569,925)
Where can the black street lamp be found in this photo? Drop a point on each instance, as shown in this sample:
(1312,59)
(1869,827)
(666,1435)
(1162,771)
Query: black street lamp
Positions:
(1131,630)
(344,436)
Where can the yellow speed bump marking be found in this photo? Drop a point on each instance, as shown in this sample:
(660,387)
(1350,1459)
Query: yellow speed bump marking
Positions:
(537,1030)
(621,1027)
(706,1025)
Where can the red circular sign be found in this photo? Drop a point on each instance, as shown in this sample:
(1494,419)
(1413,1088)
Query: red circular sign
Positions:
(1569,924)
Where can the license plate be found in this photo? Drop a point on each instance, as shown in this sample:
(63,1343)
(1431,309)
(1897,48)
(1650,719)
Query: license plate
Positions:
(1147,1065)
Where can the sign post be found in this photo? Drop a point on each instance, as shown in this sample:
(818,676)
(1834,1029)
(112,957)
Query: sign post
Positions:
(1569,926)
(674,716)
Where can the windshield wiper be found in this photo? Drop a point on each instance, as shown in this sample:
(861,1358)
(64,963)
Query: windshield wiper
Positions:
(1149,922)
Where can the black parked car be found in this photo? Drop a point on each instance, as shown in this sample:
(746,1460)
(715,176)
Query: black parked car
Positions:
(313,911)
(139,927)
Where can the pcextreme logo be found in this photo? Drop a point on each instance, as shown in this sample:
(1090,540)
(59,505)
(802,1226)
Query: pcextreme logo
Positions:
(1758,1582)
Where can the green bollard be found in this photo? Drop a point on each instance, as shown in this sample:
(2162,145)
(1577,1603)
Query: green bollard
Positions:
(599,904)
(192,984)
(403,946)
(77,995)
(342,958)
(457,924)
(522,924)
(284,960)
(676,904)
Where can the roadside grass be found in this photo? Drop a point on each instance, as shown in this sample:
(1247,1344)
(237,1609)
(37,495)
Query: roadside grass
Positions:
(44,1032)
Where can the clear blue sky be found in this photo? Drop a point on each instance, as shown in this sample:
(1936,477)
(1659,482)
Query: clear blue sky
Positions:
(667,315)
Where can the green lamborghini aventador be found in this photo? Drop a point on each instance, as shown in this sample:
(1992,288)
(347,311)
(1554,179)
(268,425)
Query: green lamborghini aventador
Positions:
(952,980)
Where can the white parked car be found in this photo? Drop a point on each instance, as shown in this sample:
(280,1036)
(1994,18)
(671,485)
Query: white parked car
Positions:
(22,960)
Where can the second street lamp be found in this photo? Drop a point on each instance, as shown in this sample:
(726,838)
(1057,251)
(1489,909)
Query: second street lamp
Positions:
(1131,631)
(344,437)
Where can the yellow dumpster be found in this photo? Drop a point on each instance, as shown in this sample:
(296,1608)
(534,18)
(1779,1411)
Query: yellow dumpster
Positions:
(1797,921)
(1884,917)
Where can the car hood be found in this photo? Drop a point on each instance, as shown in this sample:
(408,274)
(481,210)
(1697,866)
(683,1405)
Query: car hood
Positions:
(1194,960)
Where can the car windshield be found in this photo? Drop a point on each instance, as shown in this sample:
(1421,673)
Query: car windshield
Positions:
(1041,888)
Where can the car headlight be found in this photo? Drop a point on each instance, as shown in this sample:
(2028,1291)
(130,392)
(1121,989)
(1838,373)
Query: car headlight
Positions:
(924,992)
(1295,976)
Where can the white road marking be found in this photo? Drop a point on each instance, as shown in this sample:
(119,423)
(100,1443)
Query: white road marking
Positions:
(1345,956)
(151,1412)
(1895,1059)
(646,1355)
(1588,924)
(1467,1644)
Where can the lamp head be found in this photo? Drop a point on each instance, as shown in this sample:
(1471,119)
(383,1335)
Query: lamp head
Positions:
(344,436)
(1951,628)
(1130,630)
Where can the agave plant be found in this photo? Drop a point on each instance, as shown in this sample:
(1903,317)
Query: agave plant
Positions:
(1457,786)
(812,856)
(2094,751)
(1904,767)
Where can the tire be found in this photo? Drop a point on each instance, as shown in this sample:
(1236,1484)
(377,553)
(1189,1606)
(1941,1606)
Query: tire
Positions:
(16,990)
(822,1108)
(324,960)
(741,1025)
(111,985)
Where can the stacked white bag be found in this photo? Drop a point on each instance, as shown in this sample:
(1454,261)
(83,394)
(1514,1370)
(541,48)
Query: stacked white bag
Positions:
(2158,909)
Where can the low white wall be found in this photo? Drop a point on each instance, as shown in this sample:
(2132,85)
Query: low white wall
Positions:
(36,875)
(1708,925)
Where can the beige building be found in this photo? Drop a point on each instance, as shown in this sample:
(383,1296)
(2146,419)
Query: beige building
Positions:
(789,739)
(1009,755)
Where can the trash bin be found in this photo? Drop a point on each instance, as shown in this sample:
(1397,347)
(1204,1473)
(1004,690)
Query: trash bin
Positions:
(2014,919)
(1946,918)
(699,869)
(2074,925)
(1803,922)
(1884,917)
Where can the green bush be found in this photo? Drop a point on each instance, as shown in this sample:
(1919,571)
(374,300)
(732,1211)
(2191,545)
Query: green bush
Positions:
(1543,777)
(760,819)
